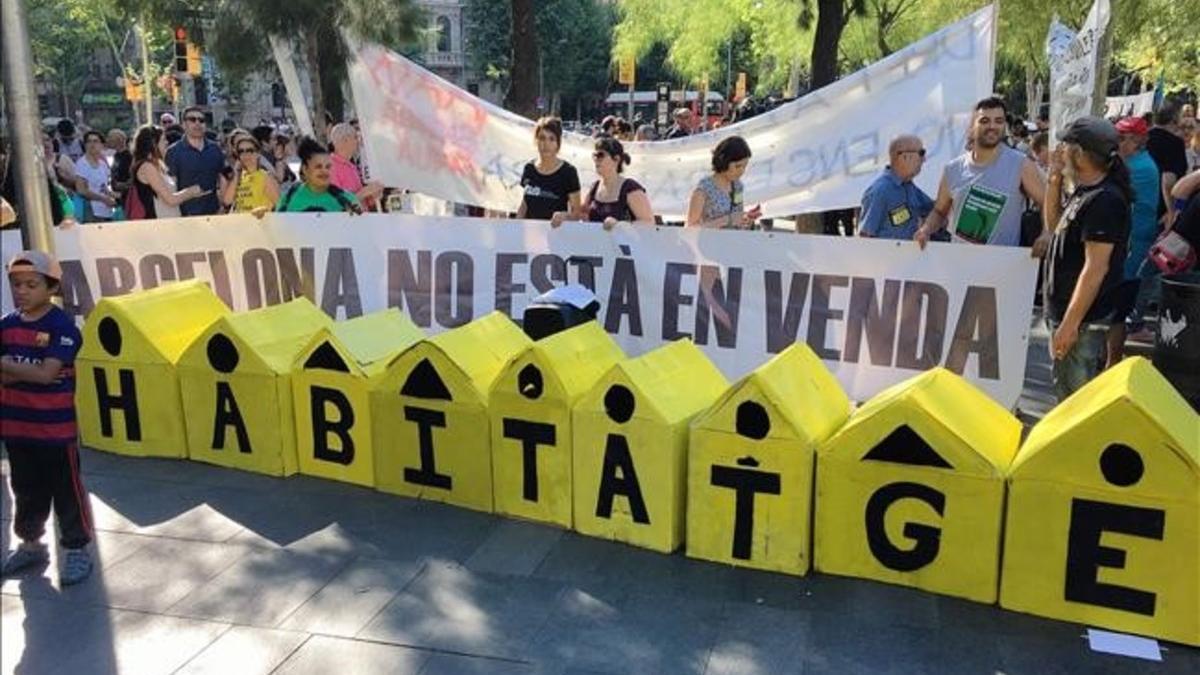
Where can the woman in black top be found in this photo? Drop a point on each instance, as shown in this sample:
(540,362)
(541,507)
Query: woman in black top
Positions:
(613,198)
(550,183)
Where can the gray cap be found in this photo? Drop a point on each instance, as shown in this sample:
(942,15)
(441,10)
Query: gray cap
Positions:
(1094,134)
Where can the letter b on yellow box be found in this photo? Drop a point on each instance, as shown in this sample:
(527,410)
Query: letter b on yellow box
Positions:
(1104,510)
(911,490)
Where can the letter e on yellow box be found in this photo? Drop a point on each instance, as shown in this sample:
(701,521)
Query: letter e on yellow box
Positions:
(911,490)
(1103,520)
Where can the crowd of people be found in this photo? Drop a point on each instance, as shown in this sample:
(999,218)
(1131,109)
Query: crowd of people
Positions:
(1101,209)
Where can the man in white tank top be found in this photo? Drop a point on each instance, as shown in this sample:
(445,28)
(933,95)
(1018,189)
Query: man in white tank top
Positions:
(982,192)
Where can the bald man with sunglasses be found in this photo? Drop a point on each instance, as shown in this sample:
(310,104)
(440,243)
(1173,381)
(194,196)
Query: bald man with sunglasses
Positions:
(893,206)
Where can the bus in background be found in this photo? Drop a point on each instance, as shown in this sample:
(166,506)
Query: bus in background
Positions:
(645,106)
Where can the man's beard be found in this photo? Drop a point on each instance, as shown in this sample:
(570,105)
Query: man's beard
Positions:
(981,142)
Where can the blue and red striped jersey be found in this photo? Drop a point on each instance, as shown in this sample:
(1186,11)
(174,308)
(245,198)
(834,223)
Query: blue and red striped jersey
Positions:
(40,414)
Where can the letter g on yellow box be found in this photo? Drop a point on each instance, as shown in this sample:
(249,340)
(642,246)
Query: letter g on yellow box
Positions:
(1104,509)
(911,490)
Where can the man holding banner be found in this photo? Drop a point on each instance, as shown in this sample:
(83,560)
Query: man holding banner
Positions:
(979,197)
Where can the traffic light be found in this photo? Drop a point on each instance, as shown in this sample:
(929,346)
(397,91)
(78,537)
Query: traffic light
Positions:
(194,67)
(181,50)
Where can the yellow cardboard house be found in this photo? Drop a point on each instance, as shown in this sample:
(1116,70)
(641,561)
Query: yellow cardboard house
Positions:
(529,406)
(751,464)
(237,389)
(127,389)
(430,417)
(911,490)
(331,384)
(1104,509)
(630,445)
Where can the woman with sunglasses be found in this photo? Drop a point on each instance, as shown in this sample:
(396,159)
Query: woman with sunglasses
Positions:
(551,184)
(251,186)
(893,206)
(613,198)
(717,201)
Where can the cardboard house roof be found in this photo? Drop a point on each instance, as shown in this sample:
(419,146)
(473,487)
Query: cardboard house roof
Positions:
(575,358)
(166,320)
(947,412)
(482,347)
(671,383)
(1146,397)
(365,344)
(273,336)
(797,387)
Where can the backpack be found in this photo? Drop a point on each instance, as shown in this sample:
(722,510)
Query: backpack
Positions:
(135,208)
(336,192)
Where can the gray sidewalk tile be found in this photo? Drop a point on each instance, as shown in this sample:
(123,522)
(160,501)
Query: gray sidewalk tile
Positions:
(245,650)
(261,588)
(862,601)
(628,634)
(448,607)
(157,508)
(847,646)
(351,599)
(758,640)
(322,655)
(456,664)
(514,547)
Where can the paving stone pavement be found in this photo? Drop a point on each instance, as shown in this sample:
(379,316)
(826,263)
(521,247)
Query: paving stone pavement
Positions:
(207,570)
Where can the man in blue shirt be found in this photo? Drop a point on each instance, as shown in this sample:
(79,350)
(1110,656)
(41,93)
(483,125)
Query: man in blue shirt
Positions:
(195,160)
(893,207)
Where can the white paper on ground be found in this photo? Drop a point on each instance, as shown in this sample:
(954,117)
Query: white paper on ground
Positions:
(1124,645)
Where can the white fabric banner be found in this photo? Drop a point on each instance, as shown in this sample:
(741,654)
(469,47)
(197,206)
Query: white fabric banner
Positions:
(876,311)
(817,153)
(1073,66)
(1132,105)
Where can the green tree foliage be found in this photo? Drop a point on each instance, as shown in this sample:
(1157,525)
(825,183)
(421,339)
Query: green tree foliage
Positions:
(574,39)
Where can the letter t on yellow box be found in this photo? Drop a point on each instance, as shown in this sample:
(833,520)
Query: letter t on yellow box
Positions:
(1104,509)
(750,464)
(530,409)
(127,396)
(911,490)
(631,436)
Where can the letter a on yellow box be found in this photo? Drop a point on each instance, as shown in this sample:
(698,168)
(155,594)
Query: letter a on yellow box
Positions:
(237,389)
(631,436)
(127,397)
(1104,509)
(750,464)
(331,384)
(430,416)
(530,410)
(911,490)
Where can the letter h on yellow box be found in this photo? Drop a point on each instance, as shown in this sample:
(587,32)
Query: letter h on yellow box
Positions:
(530,410)
(430,416)
(331,384)
(127,396)
(911,490)
(1104,509)
(750,464)
(630,447)
(237,387)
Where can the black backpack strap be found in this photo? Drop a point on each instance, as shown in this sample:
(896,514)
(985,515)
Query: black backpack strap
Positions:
(287,197)
(340,195)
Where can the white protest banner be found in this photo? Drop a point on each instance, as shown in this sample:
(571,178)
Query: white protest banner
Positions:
(1073,63)
(1125,106)
(876,311)
(819,152)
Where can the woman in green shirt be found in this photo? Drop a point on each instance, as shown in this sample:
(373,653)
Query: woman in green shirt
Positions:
(315,192)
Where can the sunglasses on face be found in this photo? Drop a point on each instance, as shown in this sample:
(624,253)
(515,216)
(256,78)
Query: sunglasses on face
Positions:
(246,151)
(193,118)
(919,153)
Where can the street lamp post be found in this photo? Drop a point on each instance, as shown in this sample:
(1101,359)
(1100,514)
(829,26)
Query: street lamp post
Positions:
(33,194)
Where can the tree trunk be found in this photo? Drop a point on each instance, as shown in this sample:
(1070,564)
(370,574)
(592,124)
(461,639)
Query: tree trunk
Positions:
(830,22)
(522,94)
(312,50)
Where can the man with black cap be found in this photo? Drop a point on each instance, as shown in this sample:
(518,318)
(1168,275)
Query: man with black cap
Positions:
(1084,267)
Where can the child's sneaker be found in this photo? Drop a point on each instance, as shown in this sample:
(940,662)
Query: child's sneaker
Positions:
(78,566)
(24,557)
